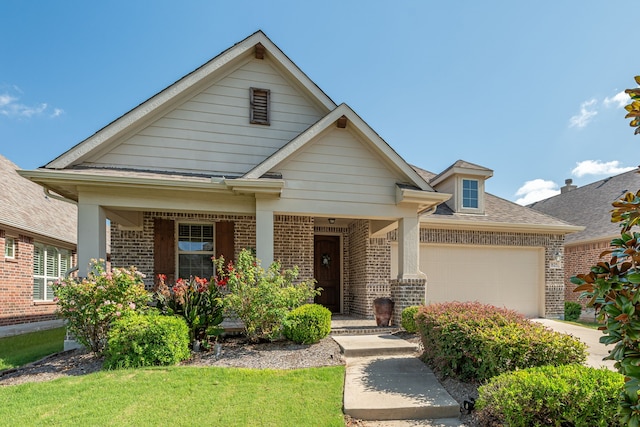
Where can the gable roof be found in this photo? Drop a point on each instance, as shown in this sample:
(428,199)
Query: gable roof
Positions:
(590,206)
(462,167)
(499,214)
(187,86)
(376,142)
(24,206)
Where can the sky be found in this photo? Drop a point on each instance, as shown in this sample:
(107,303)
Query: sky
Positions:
(531,90)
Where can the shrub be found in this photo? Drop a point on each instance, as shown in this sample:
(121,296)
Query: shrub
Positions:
(137,340)
(572,311)
(473,341)
(569,395)
(408,320)
(261,299)
(90,305)
(196,300)
(307,324)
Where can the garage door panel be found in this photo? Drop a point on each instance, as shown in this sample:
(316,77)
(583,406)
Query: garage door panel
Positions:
(505,277)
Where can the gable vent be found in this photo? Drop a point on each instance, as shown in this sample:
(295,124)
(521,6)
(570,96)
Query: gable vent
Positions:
(260,106)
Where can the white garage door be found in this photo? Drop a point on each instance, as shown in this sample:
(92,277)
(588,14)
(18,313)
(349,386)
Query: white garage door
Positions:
(505,277)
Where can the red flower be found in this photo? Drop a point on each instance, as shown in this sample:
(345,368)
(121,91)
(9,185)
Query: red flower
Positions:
(222,282)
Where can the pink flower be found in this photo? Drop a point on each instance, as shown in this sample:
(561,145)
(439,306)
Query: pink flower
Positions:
(118,313)
(132,305)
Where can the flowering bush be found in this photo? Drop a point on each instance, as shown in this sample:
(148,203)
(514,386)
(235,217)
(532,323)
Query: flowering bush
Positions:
(91,304)
(261,299)
(197,300)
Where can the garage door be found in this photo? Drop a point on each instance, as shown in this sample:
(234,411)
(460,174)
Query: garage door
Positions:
(504,277)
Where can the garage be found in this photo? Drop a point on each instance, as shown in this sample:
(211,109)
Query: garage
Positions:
(511,277)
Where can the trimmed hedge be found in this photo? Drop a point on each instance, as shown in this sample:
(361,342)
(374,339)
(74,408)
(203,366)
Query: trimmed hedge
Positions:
(572,311)
(408,320)
(569,395)
(474,341)
(146,340)
(307,324)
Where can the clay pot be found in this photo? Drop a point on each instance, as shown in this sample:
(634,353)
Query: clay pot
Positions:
(383,310)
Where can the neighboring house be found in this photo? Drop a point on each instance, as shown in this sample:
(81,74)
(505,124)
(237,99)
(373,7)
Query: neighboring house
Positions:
(588,206)
(247,152)
(37,243)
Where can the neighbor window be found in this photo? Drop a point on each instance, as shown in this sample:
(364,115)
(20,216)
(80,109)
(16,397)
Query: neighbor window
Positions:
(259,106)
(49,264)
(195,249)
(470,193)
(9,247)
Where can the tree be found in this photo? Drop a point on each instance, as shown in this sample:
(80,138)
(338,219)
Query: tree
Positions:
(613,287)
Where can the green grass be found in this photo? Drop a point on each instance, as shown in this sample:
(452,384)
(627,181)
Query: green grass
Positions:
(21,349)
(591,325)
(181,396)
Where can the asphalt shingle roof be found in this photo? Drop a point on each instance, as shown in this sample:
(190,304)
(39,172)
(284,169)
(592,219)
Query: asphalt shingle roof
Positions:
(590,206)
(497,210)
(23,205)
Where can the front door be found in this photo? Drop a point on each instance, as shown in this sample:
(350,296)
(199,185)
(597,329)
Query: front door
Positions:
(327,270)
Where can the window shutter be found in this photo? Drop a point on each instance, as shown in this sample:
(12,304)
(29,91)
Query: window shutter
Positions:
(225,240)
(260,106)
(164,253)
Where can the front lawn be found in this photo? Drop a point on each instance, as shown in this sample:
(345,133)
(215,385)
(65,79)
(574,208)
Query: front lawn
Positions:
(181,396)
(22,349)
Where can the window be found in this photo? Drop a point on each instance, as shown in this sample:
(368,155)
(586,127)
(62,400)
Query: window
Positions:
(9,247)
(49,264)
(259,106)
(470,193)
(195,249)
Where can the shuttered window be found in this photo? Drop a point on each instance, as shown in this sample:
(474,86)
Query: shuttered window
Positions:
(49,264)
(9,247)
(259,106)
(195,250)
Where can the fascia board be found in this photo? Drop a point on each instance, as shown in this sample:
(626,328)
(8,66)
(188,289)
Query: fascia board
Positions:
(432,222)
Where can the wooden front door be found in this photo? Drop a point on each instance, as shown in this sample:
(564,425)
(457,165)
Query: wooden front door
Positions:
(327,271)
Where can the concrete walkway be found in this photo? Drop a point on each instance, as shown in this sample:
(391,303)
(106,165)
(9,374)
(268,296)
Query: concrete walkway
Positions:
(386,383)
(591,337)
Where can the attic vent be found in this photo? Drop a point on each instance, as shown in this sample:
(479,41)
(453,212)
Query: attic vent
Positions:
(260,106)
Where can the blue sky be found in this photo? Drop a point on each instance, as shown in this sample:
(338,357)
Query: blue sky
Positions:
(528,89)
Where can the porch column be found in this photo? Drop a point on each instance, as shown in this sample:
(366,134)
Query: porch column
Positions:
(409,248)
(92,235)
(409,288)
(264,234)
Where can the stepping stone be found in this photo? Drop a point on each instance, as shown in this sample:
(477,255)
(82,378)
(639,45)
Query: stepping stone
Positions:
(373,345)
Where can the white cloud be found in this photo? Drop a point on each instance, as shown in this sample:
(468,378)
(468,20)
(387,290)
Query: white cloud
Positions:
(618,100)
(587,113)
(598,167)
(10,106)
(535,190)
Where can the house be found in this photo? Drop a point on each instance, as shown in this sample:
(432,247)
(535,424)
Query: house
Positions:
(38,243)
(589,206)
(247,152)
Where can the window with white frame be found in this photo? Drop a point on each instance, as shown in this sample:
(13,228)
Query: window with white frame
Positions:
(49,264)
(9,247)
(470,193)
(195,250)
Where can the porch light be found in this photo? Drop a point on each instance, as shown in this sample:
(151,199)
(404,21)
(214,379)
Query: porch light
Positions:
(558,257)
(332,220)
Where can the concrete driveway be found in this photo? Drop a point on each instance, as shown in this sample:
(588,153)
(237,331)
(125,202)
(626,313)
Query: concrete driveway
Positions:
(588,336)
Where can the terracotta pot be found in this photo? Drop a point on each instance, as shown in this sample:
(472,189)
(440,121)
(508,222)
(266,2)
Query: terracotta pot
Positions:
(383,310)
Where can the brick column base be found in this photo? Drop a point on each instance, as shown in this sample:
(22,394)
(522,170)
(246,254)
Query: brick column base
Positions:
(405,293)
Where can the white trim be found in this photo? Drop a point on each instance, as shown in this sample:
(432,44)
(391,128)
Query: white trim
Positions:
(176,234)
(432,221)
(13,247)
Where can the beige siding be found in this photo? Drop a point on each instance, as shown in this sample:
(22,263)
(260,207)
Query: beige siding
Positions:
(211,131)
(338,167)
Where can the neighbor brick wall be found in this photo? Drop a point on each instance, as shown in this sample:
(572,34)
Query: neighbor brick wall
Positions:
(578,260)
(16,285)
(552,243)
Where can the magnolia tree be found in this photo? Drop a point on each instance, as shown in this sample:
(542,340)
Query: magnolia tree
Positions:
(613,288)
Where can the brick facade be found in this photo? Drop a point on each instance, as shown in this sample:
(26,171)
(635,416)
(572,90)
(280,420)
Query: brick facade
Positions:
(16,285)
(579,258)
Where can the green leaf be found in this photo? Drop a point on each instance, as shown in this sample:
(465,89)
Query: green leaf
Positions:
(634,278)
